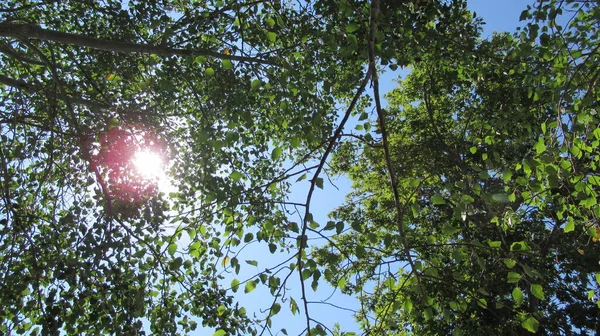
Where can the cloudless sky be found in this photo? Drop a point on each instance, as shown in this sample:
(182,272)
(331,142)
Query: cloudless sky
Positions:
(499,16)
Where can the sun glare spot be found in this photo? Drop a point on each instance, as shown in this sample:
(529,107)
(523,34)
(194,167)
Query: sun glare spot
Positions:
(148,164)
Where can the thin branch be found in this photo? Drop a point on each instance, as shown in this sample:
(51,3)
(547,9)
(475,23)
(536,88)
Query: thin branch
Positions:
(24,86)
(332,142)
(386,146)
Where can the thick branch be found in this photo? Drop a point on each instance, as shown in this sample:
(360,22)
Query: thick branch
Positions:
(32,31)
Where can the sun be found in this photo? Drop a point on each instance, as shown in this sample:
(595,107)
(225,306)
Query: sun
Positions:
(148,164)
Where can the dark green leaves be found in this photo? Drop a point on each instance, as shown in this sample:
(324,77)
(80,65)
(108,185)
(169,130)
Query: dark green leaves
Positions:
(438,200)
(352,27)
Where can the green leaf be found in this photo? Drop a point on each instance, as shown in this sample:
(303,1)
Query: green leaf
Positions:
(252,262)
(319,182)
(275,309)
(517,295)
(519,246)
(270,22)
(408,306)
(209,72)
(192,233)
(272,36)
(531,324)
(495,244)
(513,277)
(537,291)
(220,332)
(255,84)
(598,278)
(510,263)
(235,285)
(540,146)
(276,153)
(293,306)
(453,305)
(438,200)
(172,249)
(500,198)
(352,27)
(236,176)
(250,286)
(570,225)
(227,64)
(200,59)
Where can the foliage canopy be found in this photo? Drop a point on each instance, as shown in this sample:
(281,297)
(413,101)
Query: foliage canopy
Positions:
(474,191)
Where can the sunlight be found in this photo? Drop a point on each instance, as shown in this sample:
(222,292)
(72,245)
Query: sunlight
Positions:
(148,164)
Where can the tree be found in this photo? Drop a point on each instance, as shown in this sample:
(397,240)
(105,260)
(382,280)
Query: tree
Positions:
(469,183)
(494,229)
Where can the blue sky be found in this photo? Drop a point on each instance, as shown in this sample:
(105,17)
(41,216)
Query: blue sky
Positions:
(499,16)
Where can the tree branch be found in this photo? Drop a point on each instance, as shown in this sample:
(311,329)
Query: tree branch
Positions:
(313,182)
(386,145)
(32,31)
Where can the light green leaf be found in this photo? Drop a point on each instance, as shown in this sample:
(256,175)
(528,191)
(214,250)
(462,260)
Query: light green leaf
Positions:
(531,324)
(272,36)
(220,332)
(236,176)
(191,232)
(172,248)
(209,72)
(200,59)
(235,285)
(255,84)
(537,291)
(513,277)
(252,262)
(408,306)
(495,244)
(227,64)
(270,22)
(275,309)
(250,286)
(570,225)
(510,263)
(517,295)
(276,153)
(293,306)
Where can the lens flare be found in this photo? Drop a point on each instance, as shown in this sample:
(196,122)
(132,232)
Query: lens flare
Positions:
(148,164)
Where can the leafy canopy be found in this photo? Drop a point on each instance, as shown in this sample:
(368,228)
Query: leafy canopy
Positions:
(474,201)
